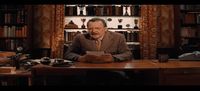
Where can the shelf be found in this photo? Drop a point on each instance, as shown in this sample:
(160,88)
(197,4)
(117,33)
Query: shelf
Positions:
(102,16)
(102,9)
(128,43)
(100,4)
(13,27)
(191,37)
(133,43)
(13,24)
(190,25)
(112,22)
(80,30)
(13,38)
(190,11)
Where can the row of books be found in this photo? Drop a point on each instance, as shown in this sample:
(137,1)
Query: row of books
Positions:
(8,7)
(69,36)
(188,32)
(11,44)
(191,18)
(17,17)
(130,37)
(190,7)
(133,10)
(13,31)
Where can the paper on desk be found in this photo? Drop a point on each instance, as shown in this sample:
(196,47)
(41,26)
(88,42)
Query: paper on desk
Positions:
(52,60)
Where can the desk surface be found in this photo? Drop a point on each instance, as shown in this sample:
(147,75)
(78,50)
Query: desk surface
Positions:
(144,64)
(127,65)
(17,73)
(178,64)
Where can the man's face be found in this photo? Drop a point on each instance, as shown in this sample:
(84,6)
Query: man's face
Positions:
(96,29)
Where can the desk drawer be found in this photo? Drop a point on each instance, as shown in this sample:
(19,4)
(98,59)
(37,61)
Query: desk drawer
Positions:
(182,71)
(179,76)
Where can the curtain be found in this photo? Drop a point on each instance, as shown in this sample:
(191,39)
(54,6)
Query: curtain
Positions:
(156,29)
(57,35)
(48,28)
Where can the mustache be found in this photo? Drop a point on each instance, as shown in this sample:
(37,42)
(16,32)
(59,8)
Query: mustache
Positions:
(93,33)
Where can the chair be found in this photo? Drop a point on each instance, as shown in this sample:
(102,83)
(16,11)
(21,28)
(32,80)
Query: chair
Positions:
(41,52)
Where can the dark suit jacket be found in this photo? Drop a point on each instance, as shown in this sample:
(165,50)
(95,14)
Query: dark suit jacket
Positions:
(112,42)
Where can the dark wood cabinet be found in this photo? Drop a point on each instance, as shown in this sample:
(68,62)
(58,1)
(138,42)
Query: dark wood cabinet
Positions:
(182,76)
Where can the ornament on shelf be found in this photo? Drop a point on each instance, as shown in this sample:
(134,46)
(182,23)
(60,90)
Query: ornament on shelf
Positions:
(136,24)
(83,20)
(120,21)
(81,7)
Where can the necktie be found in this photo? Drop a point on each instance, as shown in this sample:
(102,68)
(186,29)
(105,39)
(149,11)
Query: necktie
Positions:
(98,44)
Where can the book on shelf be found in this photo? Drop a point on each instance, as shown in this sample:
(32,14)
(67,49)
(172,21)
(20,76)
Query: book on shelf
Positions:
(97,10)
(69,36)
(189,7)
(188,32)
(109,10)
(13,31)
(17,17)
(198,18)
(90,10)
(130,37)
(189,18)
(67,10)
(70,10)
(113,10)
(1,31)
(118,10)
(135,10)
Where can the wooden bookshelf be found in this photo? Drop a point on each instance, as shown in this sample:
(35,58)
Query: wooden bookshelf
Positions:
(189,28)
(13,27)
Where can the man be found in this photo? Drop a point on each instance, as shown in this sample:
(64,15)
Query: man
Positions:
(99,39)
(100,46)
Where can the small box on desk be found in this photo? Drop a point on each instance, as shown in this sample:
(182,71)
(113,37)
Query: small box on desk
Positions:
(7,69)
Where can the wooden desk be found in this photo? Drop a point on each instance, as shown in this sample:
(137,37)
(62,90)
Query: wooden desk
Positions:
(179,73)
(41,71)
(173,72)
(15,78)
(79,66)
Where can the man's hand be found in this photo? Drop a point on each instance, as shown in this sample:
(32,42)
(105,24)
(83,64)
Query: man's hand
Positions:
(81,59)
(106,58)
